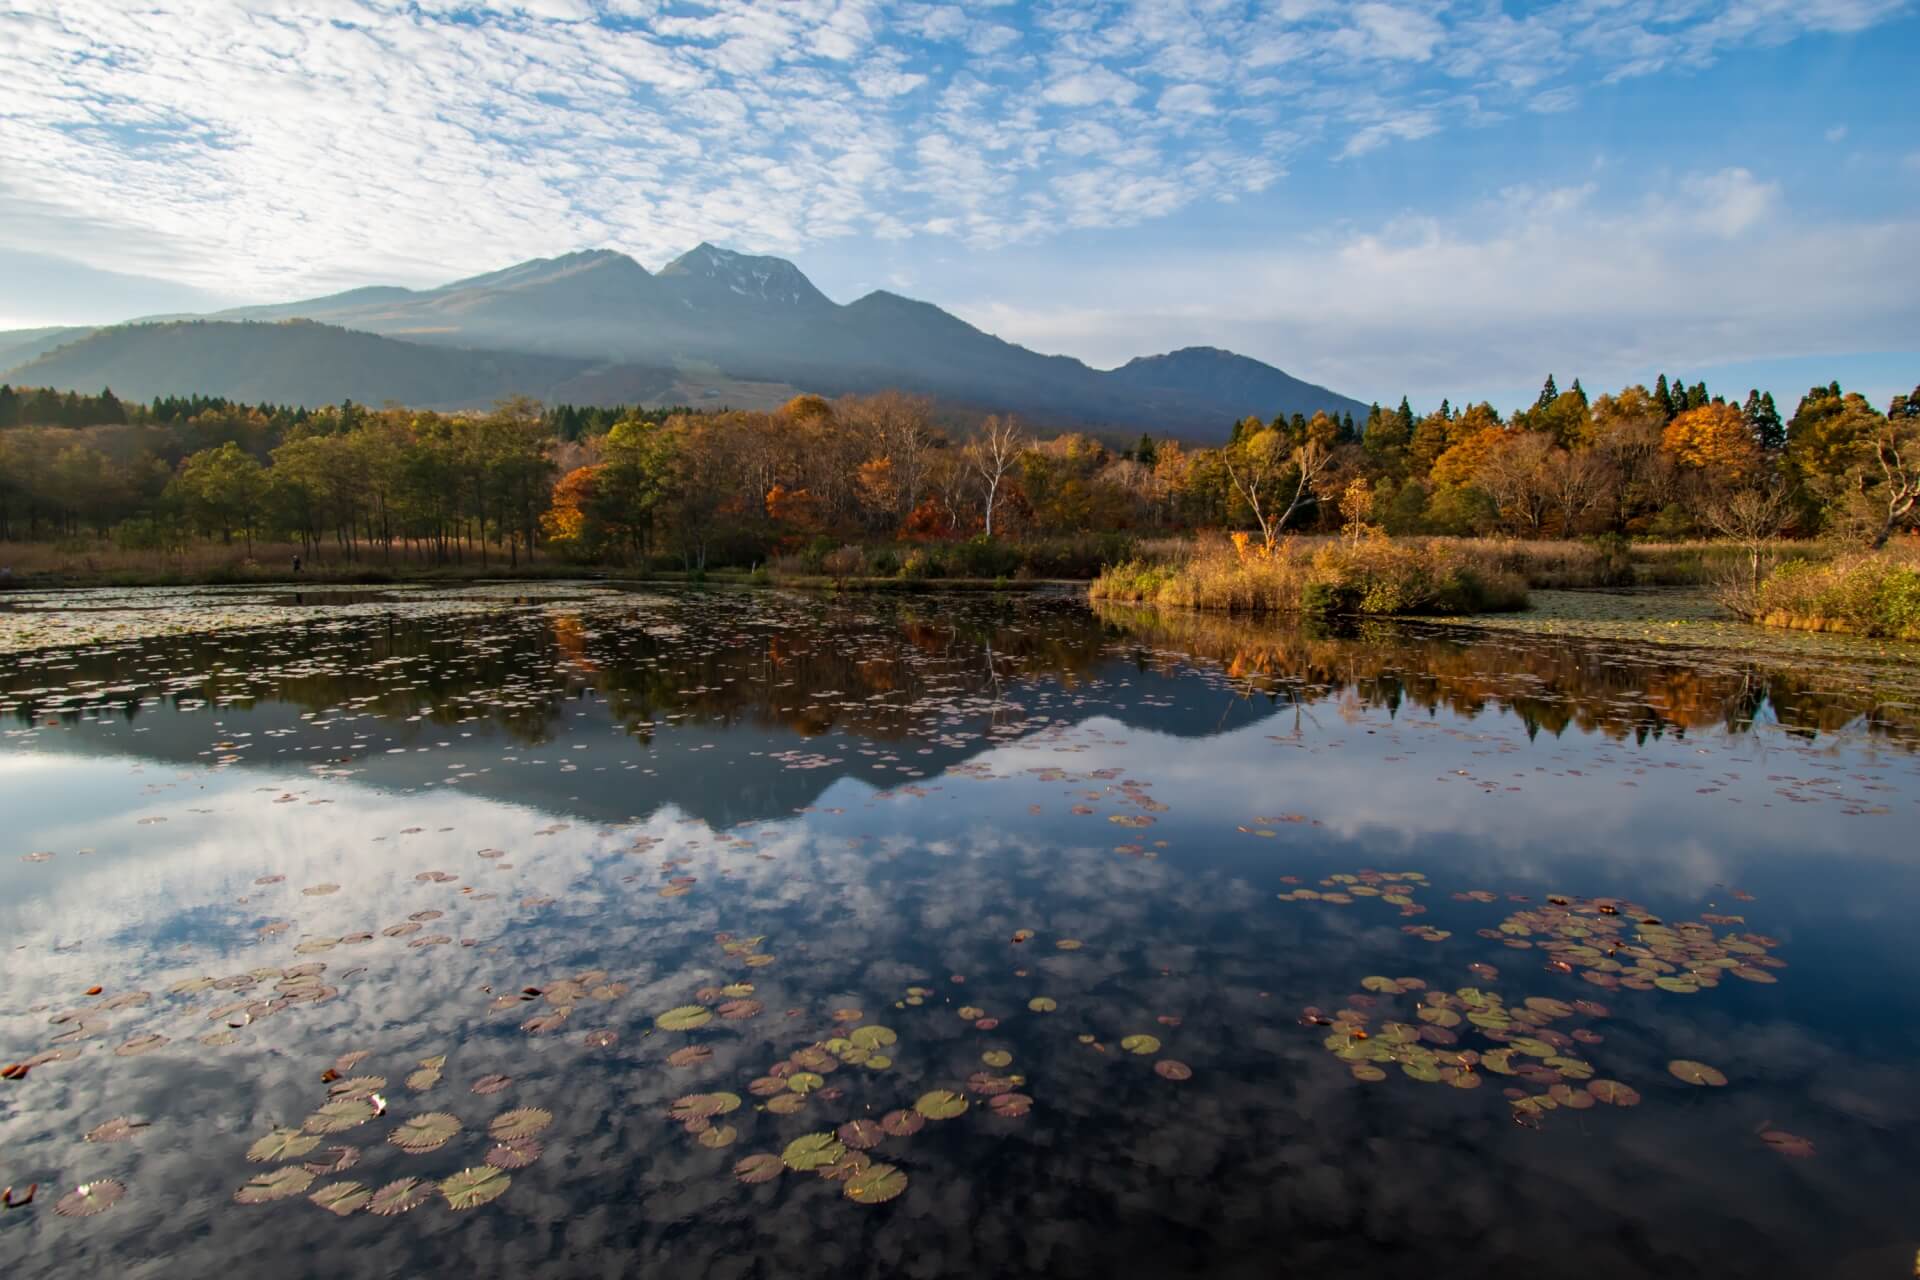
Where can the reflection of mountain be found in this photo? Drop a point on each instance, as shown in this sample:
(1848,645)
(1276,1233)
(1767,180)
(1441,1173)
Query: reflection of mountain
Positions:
(740,707)
(722,692)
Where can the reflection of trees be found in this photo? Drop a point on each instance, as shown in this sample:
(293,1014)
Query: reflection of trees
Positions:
(1592,685)
(806,666)
(893,669)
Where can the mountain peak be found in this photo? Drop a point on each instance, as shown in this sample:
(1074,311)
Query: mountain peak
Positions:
(746,275)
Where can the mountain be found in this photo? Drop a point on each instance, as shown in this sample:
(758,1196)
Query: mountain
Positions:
(305,362)
(719,325)
(17,346)
(1210,375)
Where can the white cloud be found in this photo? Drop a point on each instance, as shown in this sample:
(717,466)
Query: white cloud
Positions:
(244,147)
(1504,291)
(1090,86)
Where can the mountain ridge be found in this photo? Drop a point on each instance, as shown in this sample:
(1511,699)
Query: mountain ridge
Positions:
(709,316)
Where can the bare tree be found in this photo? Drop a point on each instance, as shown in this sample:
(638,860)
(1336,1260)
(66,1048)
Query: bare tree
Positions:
(1514,476)
(897,428)
(1752,516)
(992,454)
(1579,481)
(1896,447)
(1262,458)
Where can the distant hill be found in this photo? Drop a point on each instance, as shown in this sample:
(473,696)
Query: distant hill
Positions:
(711,326)
(17,346)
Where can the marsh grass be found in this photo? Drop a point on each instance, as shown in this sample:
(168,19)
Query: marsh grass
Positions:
(1375,576)
(1863,593)
(104,564)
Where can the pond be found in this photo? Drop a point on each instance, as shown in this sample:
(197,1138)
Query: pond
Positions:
(586,931)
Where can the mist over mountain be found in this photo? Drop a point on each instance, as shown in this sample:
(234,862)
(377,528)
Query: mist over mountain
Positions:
(711,326)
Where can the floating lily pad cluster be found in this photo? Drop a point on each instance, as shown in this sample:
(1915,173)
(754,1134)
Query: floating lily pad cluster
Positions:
(1615,944)
(1530,1050)
(1343,889)
(555,1002)
(355,1101)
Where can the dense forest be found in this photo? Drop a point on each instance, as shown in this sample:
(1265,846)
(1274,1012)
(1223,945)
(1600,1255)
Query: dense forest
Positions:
(620,485)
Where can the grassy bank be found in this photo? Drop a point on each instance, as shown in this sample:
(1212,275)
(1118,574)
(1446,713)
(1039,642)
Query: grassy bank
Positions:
(47,566)
(1874,594)
(1374,576)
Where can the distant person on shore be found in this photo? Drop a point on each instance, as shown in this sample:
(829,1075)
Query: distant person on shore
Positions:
(296,564)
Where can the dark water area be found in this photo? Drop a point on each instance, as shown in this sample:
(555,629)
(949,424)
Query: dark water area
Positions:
(1089,942)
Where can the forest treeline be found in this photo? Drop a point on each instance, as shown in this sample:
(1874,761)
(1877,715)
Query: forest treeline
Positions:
(734,487)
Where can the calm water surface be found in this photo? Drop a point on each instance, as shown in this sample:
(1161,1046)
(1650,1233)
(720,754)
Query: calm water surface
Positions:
(1287,890)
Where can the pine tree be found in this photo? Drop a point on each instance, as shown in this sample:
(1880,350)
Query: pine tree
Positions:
(1902,406)
(1446,409)
(1697,396)
(1548,394)
(1405,414)
(1772,431)
(1578,390)
(1662,398)
(1346,427)
(1145,453)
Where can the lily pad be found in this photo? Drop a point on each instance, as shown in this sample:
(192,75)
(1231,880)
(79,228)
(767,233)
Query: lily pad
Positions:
(1787,1144)
(873,1037)
(340,1115)
(1172,1069)
(90,1198)
(1691,1072)
(761,1167)
(877,1184)
(279,1184)
(526,1122)
(718,1136)
(517,1154)
(812,1150)
(281,1144)
(342,1199)
(903,1124)
(1043,1004)
(1614,1093)
(685,1018)
(424,1133)
(471,1188)
(1141,1044)
(996,1058)
(862,1135)
(400,1196)
(940,1104)
(118,1129)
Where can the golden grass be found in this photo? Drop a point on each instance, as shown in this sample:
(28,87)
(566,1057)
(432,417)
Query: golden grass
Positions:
(1373,576)
(1862,593)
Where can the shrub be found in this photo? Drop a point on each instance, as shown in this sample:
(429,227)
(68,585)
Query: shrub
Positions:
(846,562)
(1377,576)
(1871,594)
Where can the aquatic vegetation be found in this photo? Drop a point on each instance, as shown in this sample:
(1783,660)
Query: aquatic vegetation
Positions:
(897,815)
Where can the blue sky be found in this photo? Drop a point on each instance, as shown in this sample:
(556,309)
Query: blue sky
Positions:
(1388,196)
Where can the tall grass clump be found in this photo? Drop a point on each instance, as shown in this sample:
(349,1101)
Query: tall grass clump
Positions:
(1372,575)
(1869,594)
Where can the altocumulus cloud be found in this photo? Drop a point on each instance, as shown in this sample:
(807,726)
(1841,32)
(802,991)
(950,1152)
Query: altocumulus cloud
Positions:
(270,149)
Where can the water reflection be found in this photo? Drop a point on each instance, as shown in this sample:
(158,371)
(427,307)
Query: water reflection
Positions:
(886,795)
